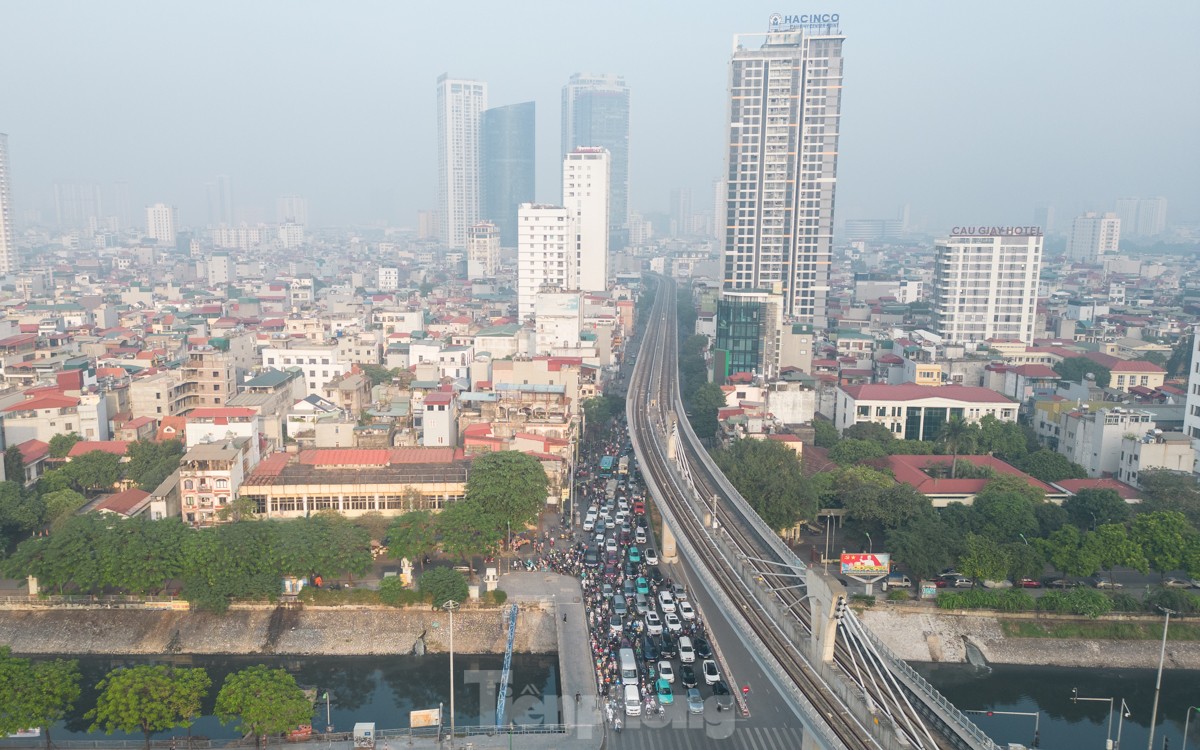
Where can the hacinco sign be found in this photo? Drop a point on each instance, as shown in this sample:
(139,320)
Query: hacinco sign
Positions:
(782,20)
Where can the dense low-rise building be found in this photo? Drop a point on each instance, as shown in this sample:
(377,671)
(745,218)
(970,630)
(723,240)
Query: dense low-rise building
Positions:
(916,412)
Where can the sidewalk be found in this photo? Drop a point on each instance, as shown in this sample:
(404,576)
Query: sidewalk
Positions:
(576,672)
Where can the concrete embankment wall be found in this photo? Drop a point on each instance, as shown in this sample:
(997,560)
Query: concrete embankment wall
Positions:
(267,630)
(921,634)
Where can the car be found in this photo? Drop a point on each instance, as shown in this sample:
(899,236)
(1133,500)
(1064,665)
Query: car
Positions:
(591,558)
(666,696)
(1030,583)
(627,589)
(631,569)
(654,624)
(610,572)
(680,592)
(655,575)
(1106,583)
(666,671)
(1176,583)
(610,558)
(711,673)
(651,556)
(723,695)
(687,675)
(669,646)
(643,522)
(600,526)
(599,539)
(635,555)
(666,601)
(686,611)
(672,621)
(620,605)
(639,507)
(643,603)
(687,652)
(606,590)
(1059,583)
(589,523)
(616,625)
(940,582)
(649,648)
(641,585)
(610,545)
(703,650)
(694,702)
(639,535)
(623,504)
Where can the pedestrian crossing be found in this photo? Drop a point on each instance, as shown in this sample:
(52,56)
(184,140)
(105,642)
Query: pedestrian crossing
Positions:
(740,738)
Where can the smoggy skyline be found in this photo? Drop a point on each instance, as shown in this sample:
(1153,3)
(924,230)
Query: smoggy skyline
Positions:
(964,112)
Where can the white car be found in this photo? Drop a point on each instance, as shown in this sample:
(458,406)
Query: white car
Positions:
(666,600)
(639,536)
(686,611)
(711,674)
(666,672)
(654,623)
(589,522)
(610,545)
(651,556)
(674,624)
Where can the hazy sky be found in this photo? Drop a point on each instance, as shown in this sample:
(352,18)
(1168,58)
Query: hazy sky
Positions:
(966,111)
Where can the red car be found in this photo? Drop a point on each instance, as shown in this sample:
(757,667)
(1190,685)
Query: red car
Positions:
(939,582)
(1030,583)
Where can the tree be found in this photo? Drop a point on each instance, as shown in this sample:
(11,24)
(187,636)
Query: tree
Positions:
(94,470)
(14,464)
(927,546)
(850,451)
(378,374)
(769,475)
(148,699)
(1113,547)
(61,505)
(152,462)
(62,443)
(706,402)
(442,585)
(1067,552)
(412,536)
(984,559)
(35,696)
(508,486)
(1170,490)
(1025,560)
(825,434)
(1075,369)
(893,508)
(872,431)
(1004,516)
(1090,508)
(263,701)
(1181,355)
(374,522)
(466,529)
(1003,439)
(1049,466)
(238,509)
(956,436)
(1163,536)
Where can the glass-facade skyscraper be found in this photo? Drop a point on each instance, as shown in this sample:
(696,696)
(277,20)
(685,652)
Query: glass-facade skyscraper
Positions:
(506,165)
(595,113)
(784,120)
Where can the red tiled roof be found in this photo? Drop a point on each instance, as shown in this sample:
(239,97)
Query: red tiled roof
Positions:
(912,392)
(123,502)
(47,401)
(32,450)
(214,412)
(1036,371)
(1135,365)
(439,397)
(83,447)
(1124,490)
(271,466)
(345,457)
(910,470)
(20,338)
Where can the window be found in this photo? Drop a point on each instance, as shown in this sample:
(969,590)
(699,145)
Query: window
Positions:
(188,484)
(222,484)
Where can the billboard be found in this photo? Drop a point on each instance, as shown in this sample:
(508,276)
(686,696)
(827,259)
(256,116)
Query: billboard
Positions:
(430,717)
(866,563)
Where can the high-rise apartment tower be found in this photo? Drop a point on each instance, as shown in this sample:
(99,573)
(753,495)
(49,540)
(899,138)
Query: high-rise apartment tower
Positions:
(785,103)
(1093,236)
(595,112)
(8,248)
(985,283)
(460,104)
(506,165)
(586,175)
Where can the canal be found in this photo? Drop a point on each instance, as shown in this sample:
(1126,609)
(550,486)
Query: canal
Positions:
(379,689)
(1067,725)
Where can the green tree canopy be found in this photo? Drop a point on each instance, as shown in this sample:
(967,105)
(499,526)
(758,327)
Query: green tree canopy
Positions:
(928,545)
(956,437)
(1004,439)
(1075,369)
(705,403)
(35,696)
(14,464)
(508,486)
(263,701)
(1090,508)
(851,451)
(1067,552)
(1113,547)
(412,535)
(465,528)
(95,470)
(768,474)
(148,699)
(151,462)
(1005,516)
(1049,466)
(1170,491)
(62,443)
(982,558)
(442,585)
(872,431)
(825,434)
(1164,537)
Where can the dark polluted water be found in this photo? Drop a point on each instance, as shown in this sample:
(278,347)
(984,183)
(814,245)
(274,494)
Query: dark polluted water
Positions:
(1067,725)
(379,689)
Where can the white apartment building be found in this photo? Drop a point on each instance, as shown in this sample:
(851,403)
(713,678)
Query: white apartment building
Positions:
(784,123)
(460,104)
(241,237)
(160,223)
(483,251)
(221,269)
(1142,217)
(545,253)
(1093,236)
(1092,438)
(918,412)
(586,177)
(388,279)
(292,209)
(290,235)
(558,321)
(8,247)
(985,282)
(1156,450)
(1191,417)
(319,362)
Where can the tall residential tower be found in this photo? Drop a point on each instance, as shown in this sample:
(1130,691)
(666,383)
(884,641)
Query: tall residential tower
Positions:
(460,104)
(8,248)
(586,178)
(785,103)
(595,113)
(506,166)
(985,283)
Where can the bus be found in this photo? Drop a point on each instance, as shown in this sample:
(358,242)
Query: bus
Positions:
(606,466)
(623,466)
(629,667)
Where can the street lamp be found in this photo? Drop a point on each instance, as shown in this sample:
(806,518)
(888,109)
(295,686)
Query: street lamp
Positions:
(870,542)
(450,605)
(1023,539)
(1185,724)
(1125,714)
(1108,737)
(1037,720)
(1162,656)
